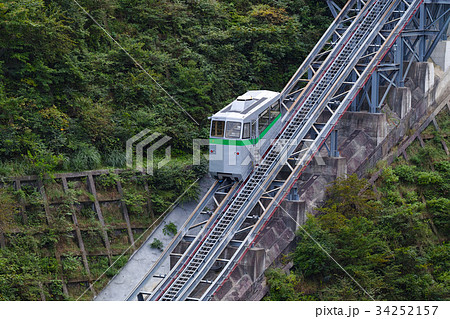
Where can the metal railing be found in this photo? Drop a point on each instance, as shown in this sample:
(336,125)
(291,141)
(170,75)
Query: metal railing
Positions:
(308,106)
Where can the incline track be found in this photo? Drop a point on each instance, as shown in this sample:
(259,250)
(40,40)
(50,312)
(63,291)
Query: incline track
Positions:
(327,94)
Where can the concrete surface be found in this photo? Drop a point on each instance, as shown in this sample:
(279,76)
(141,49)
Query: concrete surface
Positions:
(142,260)
(441,55)
(400,101)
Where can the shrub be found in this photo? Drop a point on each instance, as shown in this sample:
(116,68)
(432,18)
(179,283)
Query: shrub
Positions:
(350,197)
(282,286)
(175,177)
(119,262)
(87,213)
(15,168)
(202,169)
(192,193)
(411,197)
(426,156)
(428,178)
(440,210)
(159,204)
(108,180)
(443,167)
(156,244)
(43,161)
(87,157)
(389,177)
(170,229)
(115,158)
(96,119)
(393,197)
(72,266)
(134,201)
(406,173)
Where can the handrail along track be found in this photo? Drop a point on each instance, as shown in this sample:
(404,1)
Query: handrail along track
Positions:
(328,91)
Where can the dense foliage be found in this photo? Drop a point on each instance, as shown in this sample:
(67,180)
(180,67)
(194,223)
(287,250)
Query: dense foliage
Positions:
(393,242)
(70,98)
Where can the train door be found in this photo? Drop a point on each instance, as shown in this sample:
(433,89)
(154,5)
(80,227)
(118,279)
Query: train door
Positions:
(254,139)
(253,131)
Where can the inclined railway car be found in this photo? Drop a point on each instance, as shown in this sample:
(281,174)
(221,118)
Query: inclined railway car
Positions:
(241,133)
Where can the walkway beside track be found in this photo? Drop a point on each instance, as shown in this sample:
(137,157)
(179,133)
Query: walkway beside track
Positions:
(129,276)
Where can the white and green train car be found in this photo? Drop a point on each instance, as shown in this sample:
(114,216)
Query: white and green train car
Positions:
(241,133)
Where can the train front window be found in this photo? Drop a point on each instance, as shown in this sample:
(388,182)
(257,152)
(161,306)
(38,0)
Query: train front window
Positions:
(217,128)
(233,130)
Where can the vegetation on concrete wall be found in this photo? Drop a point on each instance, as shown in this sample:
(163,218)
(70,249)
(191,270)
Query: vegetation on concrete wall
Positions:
(41,252)
(392,240)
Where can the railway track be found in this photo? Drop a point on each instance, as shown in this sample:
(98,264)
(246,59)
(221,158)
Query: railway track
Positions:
(357,34)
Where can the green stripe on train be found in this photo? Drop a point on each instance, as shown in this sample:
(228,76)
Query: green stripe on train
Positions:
(253,141)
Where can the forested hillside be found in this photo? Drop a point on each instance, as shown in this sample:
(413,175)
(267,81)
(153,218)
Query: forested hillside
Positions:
(70,98)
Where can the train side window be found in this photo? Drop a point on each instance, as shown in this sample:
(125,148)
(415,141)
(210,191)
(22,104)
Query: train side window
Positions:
(263,121)
(274,111)
(246,131)
(233,130)
(217,128)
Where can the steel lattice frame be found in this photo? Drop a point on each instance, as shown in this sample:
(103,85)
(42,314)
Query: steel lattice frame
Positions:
(361,50)
(416,44)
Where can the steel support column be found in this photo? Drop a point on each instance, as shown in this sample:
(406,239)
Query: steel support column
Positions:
(375,94)
(334,144)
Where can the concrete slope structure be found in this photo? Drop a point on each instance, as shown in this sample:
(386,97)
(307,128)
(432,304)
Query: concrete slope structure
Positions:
(367,53)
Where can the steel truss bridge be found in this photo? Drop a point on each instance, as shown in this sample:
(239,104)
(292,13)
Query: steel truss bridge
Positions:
(369,48)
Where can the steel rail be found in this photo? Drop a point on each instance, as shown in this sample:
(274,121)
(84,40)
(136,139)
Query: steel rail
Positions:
(179,236)
(303,162)
(310,102)
(317,49)
(335,68)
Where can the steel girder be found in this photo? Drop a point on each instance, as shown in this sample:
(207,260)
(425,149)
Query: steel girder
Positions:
(217,196)
(327,83)
(416,44)
(327,94)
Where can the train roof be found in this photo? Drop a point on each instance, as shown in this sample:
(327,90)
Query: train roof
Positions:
(246,104)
